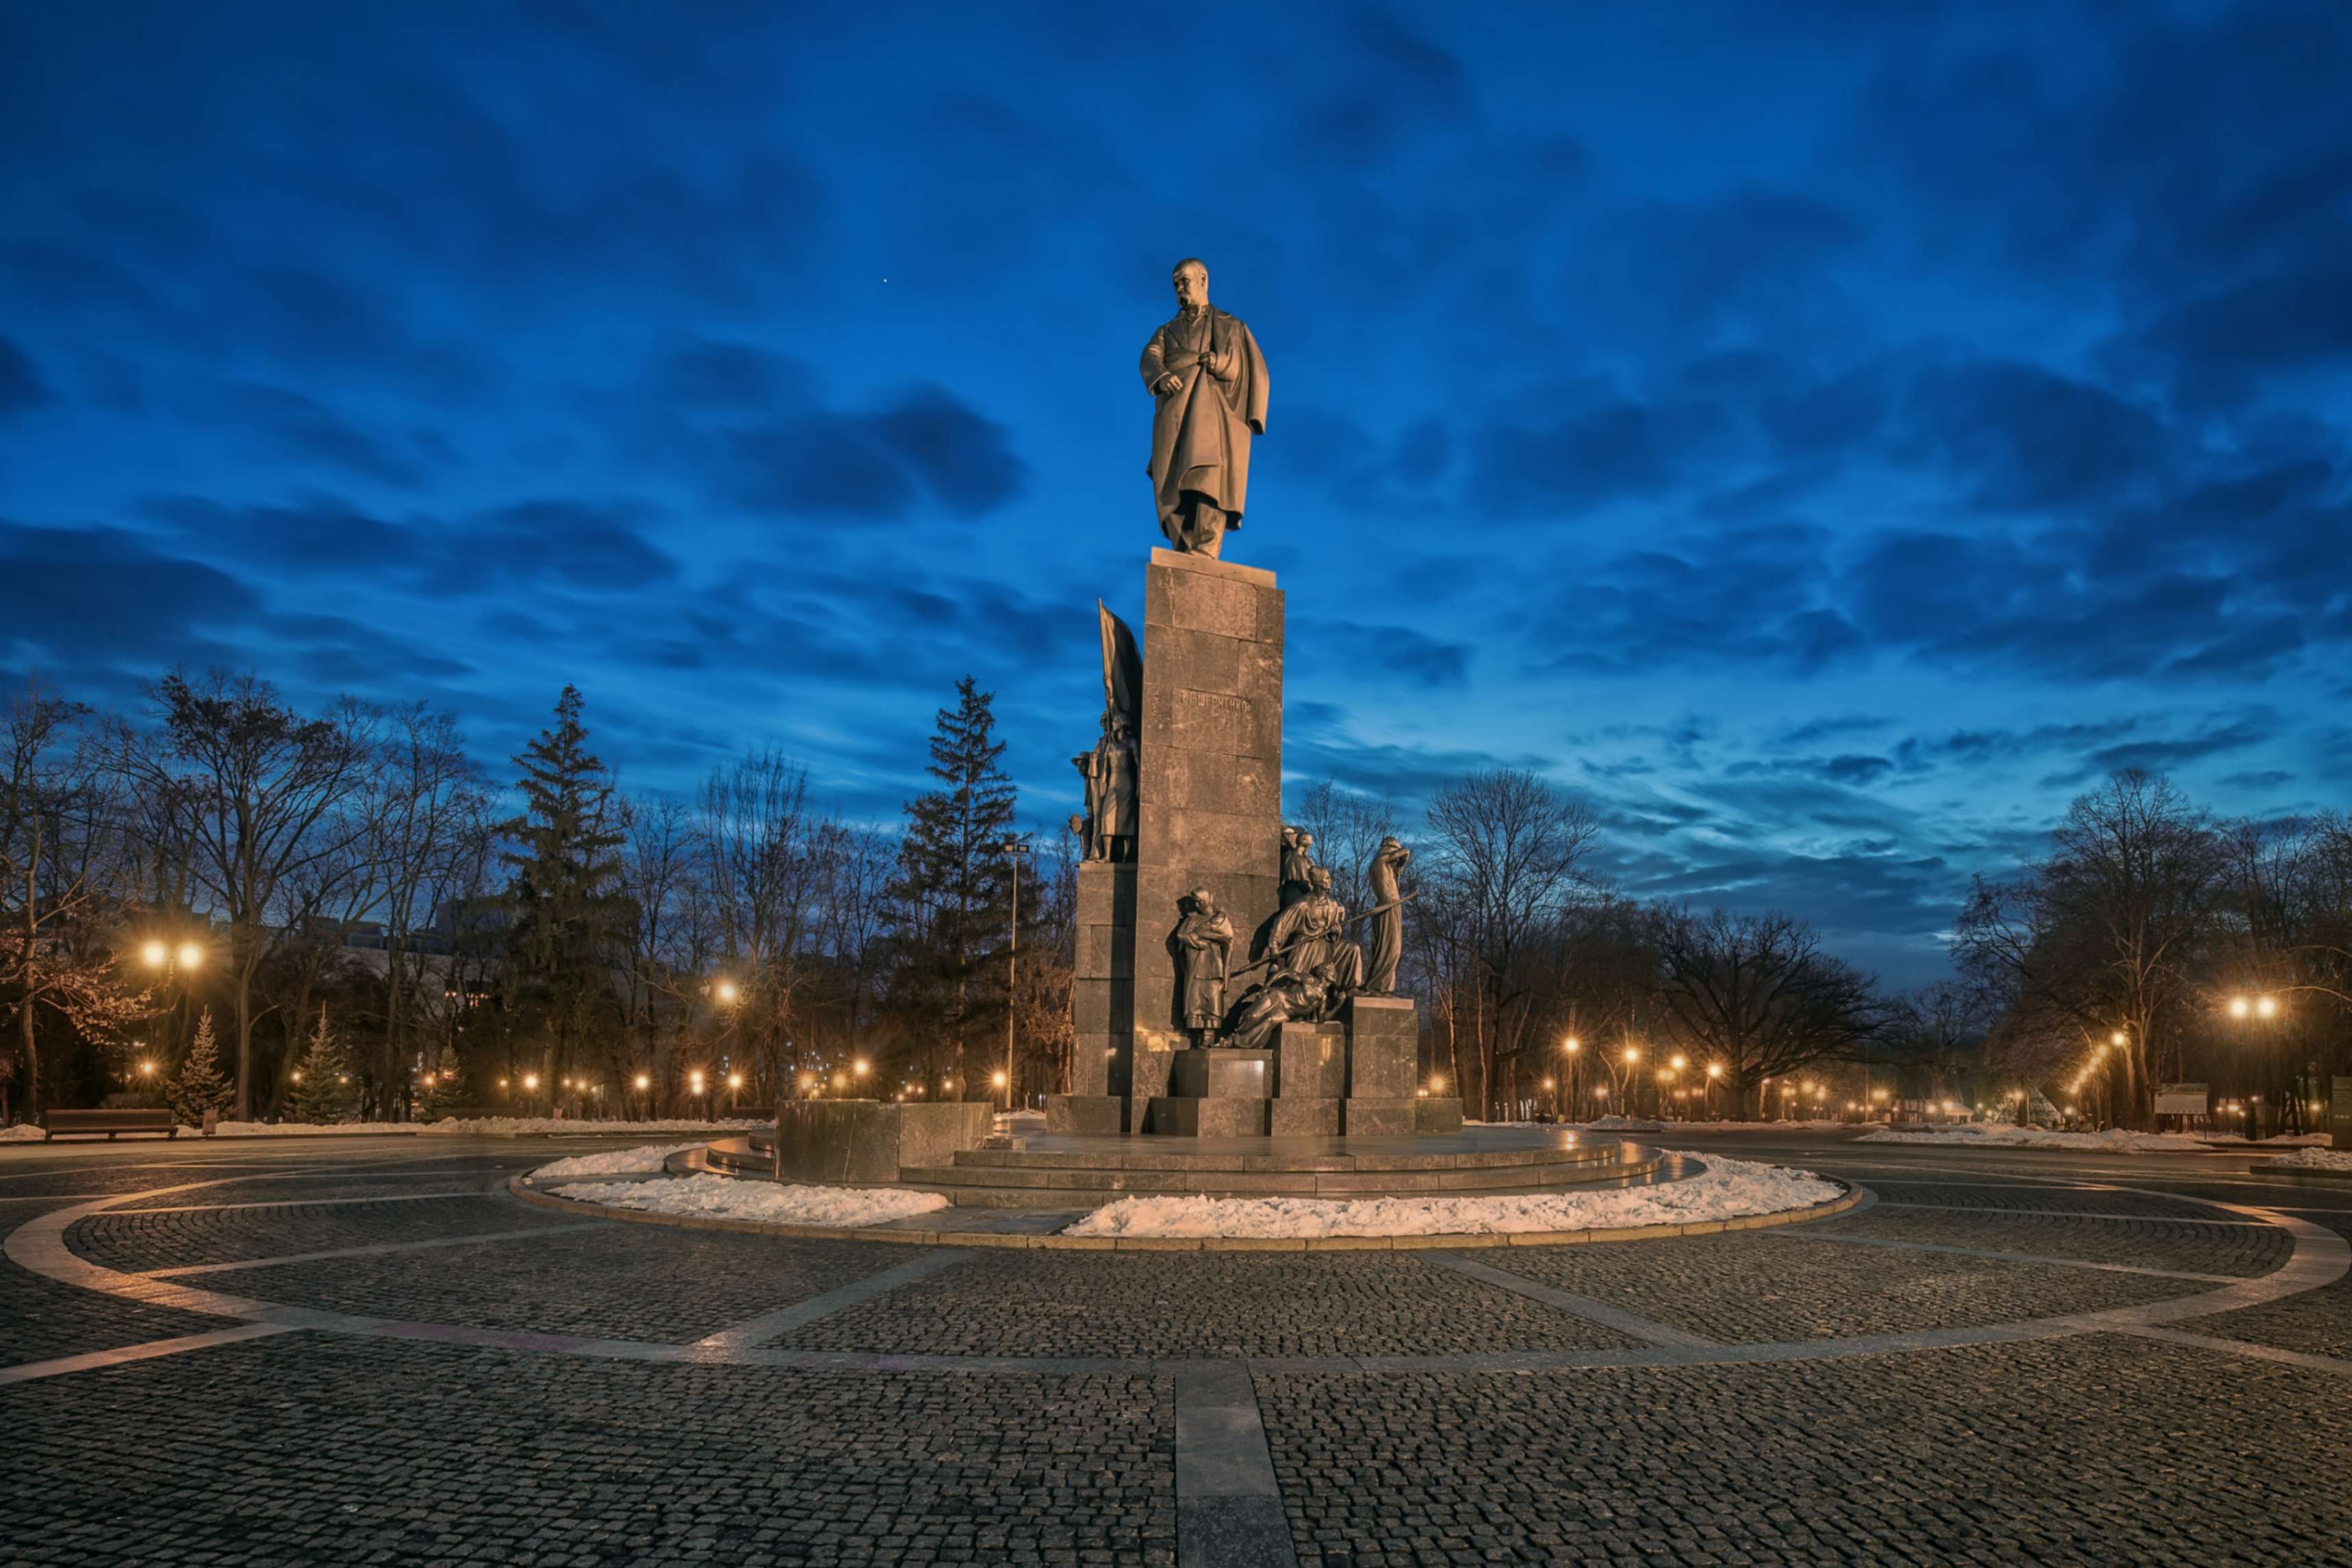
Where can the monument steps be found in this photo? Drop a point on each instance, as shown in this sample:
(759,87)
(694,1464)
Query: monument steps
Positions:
(1057,1176)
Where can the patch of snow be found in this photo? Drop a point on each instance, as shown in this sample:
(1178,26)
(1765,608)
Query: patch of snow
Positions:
(2002,1135)
(2283,1141)
(22,1132)
(1725,1189)
(724,1197)
(644,1161)
(2315,1159)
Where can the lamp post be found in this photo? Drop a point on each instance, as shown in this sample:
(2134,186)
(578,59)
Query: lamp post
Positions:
(1574,1049)
(2265,1007)
(1014,849)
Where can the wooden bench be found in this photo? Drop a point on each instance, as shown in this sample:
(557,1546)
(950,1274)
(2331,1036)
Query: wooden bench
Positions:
(77,1124)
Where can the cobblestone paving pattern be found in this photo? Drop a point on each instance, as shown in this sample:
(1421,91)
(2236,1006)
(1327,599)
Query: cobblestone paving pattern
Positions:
(308,1450)
(2190,1248)
(620,1282)
(2041,1454)
(312,1448)
(2318,1322)
(1787,1289)
(2049,1200)
(138,1242)
(1200,1304)
(42,1319)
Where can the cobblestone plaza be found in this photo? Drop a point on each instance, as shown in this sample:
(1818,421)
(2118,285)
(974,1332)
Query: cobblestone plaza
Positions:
(367,1351)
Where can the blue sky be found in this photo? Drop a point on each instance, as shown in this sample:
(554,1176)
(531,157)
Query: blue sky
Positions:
(1827,436)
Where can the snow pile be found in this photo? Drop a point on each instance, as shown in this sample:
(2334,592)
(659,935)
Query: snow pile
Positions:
(2001,1136)
(724,1197)
(2313,1159)
(644,1161)
(1727,1189)
(22,1132)
(2283,1141)
(305,1129)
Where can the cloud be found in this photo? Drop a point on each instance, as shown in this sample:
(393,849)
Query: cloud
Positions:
(592,547)
(21,386)
(878,465)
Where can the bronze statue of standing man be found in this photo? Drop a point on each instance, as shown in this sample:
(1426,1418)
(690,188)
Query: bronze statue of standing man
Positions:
(1204,370)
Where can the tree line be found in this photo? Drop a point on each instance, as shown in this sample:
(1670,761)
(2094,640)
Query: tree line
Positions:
(368,922)
(232,903)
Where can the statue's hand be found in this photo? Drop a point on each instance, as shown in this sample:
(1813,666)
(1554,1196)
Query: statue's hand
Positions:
(1169,385)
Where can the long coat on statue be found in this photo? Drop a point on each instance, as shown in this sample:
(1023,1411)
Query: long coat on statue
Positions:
(1201,433)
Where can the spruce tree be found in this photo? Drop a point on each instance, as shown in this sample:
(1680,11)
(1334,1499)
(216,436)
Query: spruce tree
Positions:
(200,1087)
(565,901)
(951,893)
(323,1090)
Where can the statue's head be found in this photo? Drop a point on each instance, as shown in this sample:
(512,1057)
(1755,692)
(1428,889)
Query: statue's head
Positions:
(1390,843)
(1192,279)
(1320,879)
(1203,900)
(1306,840)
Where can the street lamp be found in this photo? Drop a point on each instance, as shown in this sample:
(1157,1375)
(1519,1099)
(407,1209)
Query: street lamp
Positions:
(2265,1007)
(727,992)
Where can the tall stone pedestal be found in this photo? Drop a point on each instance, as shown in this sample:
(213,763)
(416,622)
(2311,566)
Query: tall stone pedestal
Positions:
(1209,762)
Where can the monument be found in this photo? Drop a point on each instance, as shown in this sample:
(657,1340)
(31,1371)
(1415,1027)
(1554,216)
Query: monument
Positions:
(1220,990)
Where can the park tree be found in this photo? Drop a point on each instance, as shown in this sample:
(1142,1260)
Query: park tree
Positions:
(257,795)
(2109,934)
(59,802)
(1756,993)
(320,1087)
(1507,860)
(426,802)
(199,1086)
(951,897)
(569,920)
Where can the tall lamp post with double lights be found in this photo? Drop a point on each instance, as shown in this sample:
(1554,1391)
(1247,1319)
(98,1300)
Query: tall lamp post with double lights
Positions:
(2265,1008)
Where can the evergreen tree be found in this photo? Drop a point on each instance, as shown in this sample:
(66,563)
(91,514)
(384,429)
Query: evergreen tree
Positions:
(323,1090)
(200,1087)
(567,912)
(953,892)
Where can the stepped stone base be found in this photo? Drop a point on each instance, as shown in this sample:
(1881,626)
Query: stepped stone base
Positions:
(1086,1115)
(1306,1116)
(1209,1116)
(866,1141)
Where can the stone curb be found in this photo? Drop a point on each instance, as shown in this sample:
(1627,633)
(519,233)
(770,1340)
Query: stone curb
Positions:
(1851,1197)
(2302,1173)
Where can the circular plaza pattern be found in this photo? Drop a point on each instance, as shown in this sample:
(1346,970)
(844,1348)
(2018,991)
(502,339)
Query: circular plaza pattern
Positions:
(362,1350)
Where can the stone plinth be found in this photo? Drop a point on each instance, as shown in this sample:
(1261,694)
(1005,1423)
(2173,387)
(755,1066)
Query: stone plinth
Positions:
(1304,1116)
(1313,1061)
(1086,1115)
(866,1141)
(1201,1116)
(1437,1114)
(1150,1076)
(1220,1074)
(1102,997)
(1370,1116)
(1209,761)
(1383,1048)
